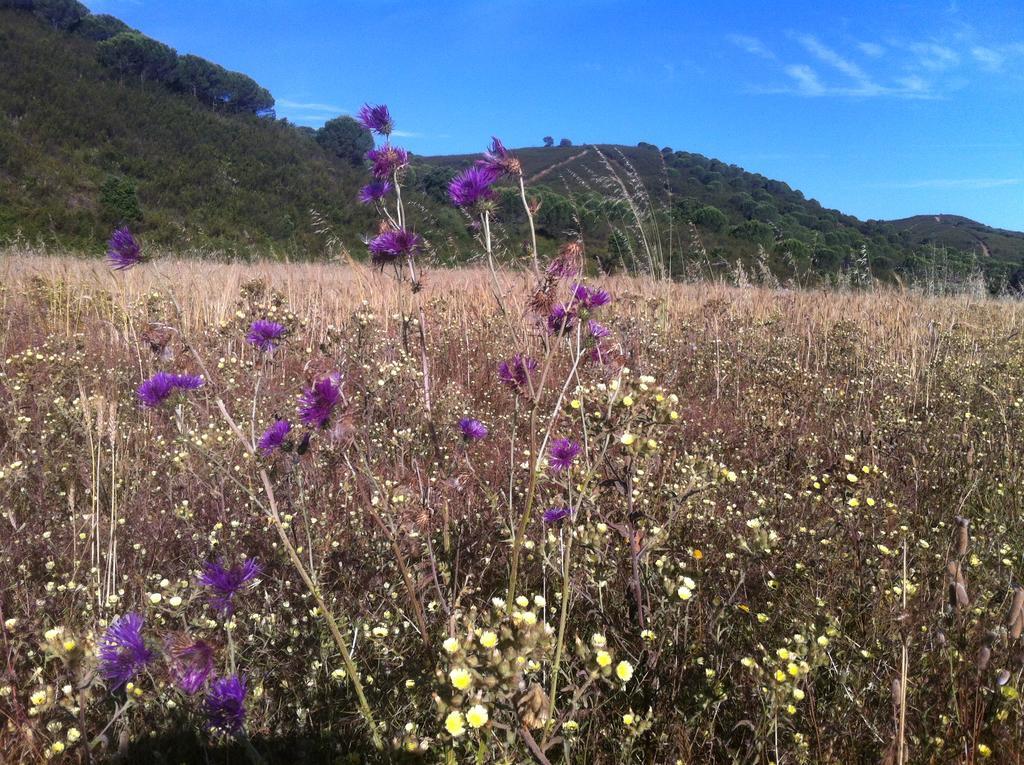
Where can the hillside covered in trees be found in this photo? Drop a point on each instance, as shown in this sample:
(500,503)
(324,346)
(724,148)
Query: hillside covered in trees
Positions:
(102,125)
(702,214)
(94,133)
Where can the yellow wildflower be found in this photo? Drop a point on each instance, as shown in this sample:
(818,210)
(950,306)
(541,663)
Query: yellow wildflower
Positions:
(455,724)
(460,678)
(488,639)
(624,671)
(477,716)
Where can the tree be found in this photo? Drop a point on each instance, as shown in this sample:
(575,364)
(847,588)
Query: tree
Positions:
(710,218)
(119,200)
(555,214)
(549,141)
(132,53)
(434,181)
(345,138)
(100,27)
(797,250)
(565,142)
(60,14)
(241,93)
(199,77)
(754,231)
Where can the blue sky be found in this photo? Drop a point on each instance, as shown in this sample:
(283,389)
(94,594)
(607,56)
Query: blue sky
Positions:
(880,109)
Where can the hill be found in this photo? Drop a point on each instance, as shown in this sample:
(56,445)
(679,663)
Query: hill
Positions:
(739,216)
(101,125)
(83,147)
(961,233)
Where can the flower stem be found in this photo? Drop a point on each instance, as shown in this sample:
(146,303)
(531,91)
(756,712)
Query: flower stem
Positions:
(533,228)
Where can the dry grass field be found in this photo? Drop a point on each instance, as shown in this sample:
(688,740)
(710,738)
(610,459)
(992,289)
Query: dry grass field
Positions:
(727,525)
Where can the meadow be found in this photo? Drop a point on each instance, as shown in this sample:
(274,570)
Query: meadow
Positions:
(731,525)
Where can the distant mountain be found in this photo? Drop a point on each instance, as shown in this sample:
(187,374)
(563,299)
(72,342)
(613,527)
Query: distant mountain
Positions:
(960,233)
(101,125)
(746,216)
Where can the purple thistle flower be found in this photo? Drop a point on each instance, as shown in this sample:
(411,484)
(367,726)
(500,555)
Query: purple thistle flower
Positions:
(376,119)
(188,382)
(472,185)
(374,192)
(561,268)
(500,160)
(191,663)
(156,389)
(394,244)
(472,430)
(590,298)
(563,452)
(225,583)
(598,331)
(317,403)
(600,353)
(225,704)
(264,334)
(274,436)
(517,371)
(159,387)
(561,320)
(568,263)
(123,250)
(122,650)
(556,514)
(387,160)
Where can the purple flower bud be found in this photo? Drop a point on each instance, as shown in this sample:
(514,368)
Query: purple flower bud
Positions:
(122,650)
(590,298)
(561,320)
(597,331)
(225,705)
(191,663)
(265,334)
(274,436)
(562,454)
(316,405)
(123,250)
(517,372)
(159,387)
(374,192)
(387,160)
(226,583)
(472,186)
(394,244)
(556,514)
(472,430)
(376,119)
(500,160)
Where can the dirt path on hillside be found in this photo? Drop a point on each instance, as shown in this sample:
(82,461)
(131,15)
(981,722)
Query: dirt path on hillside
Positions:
(563,163)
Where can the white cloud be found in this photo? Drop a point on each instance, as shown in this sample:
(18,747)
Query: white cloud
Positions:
(988,58)
(751,45)
(833,59)
(874,50)
(935,57)
(993,58)
(935,67)
(807,80)
(313,107)
(913,84)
